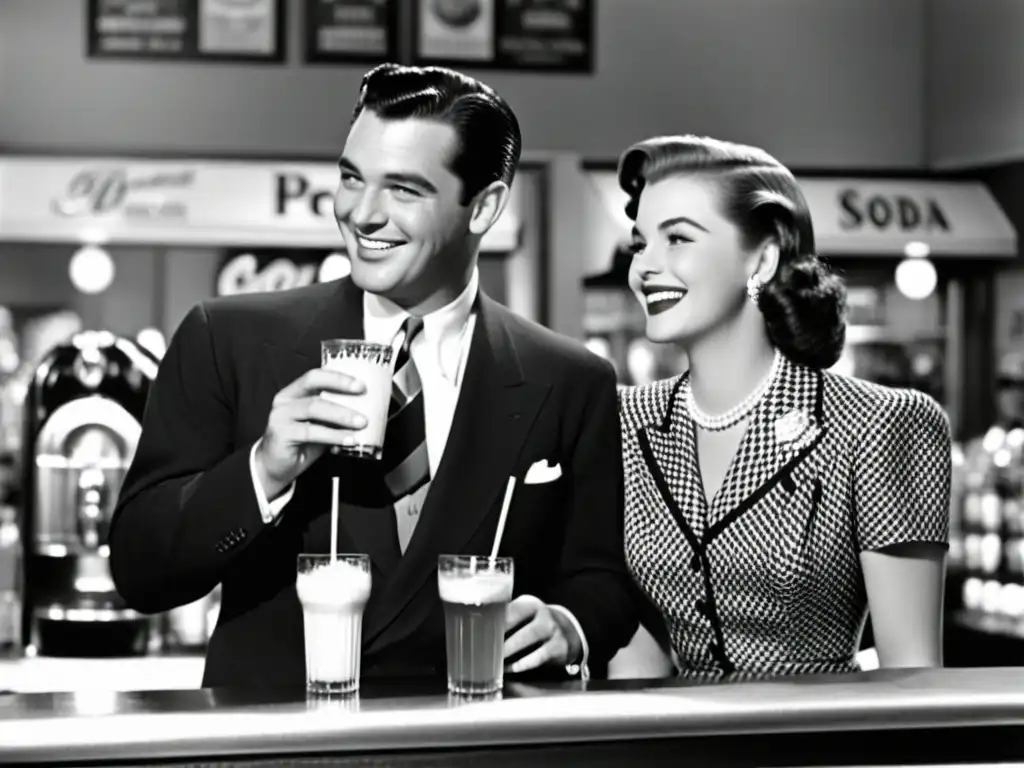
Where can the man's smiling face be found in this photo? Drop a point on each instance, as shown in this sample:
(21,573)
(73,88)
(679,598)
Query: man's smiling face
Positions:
(399,209)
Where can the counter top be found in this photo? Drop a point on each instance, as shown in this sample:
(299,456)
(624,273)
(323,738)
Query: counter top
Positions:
(43,674)
(103,725)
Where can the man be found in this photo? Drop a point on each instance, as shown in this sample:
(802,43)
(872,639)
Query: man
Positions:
(221,492)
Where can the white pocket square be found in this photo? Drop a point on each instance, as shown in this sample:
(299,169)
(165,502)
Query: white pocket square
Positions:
(542,472)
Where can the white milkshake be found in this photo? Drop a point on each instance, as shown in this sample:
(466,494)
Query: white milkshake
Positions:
(333,596)
(372,364)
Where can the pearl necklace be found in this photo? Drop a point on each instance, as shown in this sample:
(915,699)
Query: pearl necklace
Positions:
(738,413)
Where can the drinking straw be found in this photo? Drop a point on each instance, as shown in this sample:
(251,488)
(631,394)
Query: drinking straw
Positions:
(334,520)
(504,516)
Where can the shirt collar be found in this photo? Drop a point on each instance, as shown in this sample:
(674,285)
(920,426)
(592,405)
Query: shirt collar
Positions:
(442,329)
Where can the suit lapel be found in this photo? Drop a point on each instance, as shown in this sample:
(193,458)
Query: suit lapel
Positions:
(787,420)
(673,449)
(366,516)
(494,414)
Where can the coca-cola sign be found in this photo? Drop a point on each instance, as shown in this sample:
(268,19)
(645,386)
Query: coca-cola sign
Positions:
(262,271)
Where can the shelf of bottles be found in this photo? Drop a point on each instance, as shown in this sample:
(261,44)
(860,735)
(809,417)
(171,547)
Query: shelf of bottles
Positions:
(987,532)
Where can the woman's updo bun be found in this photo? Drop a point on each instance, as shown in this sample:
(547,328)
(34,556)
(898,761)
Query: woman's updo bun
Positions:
(804,304)
(804,308)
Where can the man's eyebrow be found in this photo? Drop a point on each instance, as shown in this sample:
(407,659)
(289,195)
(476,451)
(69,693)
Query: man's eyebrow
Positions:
(410,179)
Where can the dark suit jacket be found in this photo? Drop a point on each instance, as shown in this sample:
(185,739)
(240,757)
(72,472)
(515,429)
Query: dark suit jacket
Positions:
(187,518)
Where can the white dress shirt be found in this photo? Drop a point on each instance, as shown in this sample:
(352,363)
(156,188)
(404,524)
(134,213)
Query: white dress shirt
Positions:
(440,353)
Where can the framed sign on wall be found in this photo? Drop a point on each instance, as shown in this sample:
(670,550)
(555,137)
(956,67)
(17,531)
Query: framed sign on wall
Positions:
(514,35)
(351,31)
(187,30)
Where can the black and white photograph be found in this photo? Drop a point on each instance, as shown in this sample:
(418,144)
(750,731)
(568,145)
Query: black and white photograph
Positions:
(541,383)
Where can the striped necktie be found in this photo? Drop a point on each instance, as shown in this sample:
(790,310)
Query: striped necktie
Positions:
(405,464)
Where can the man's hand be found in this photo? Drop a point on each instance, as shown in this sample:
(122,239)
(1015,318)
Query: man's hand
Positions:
(302,424)
(534,625)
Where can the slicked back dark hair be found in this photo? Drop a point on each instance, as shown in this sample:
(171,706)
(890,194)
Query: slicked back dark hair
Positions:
(489,140)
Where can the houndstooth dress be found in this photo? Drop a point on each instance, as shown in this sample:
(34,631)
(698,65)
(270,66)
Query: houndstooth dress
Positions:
(766,580)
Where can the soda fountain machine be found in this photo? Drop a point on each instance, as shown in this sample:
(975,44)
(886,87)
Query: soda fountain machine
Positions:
(83,414)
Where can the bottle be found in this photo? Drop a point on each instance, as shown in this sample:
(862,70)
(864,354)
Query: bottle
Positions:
(10,583)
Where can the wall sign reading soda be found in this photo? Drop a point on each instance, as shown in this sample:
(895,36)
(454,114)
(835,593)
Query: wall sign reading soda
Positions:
(903,212)
(881,217)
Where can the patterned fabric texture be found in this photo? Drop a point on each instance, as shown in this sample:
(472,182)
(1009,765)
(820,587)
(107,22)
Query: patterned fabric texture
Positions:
(405,462)
(766,578)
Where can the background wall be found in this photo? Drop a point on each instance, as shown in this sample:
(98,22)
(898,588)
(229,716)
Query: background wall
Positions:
(35,279)
(835,83)
(975,61)
(190,277)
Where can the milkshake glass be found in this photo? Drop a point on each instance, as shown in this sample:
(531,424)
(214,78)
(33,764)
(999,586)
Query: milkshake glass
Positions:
(333,596)
(372,364)
(474,591)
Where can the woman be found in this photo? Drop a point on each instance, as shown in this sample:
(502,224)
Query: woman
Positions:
(769,503)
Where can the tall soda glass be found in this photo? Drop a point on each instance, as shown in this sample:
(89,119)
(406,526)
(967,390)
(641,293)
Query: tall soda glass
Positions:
(475,591)
(333,596)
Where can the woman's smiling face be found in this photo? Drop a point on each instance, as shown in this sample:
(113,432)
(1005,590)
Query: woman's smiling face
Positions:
(689,268)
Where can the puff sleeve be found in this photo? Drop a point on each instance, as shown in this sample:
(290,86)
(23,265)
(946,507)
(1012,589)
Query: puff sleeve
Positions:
(902,473)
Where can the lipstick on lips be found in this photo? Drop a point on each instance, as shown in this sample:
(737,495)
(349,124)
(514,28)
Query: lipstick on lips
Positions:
(660,298)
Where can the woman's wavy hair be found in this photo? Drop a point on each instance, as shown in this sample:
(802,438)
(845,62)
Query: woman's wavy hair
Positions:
(804,304)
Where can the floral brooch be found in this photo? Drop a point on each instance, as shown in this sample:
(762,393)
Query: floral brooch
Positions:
(792,426)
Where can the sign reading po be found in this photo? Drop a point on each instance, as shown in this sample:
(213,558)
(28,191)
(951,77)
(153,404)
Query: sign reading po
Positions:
(891,213)
(295,188)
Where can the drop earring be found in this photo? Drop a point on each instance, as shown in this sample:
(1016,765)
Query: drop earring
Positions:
(754,287)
